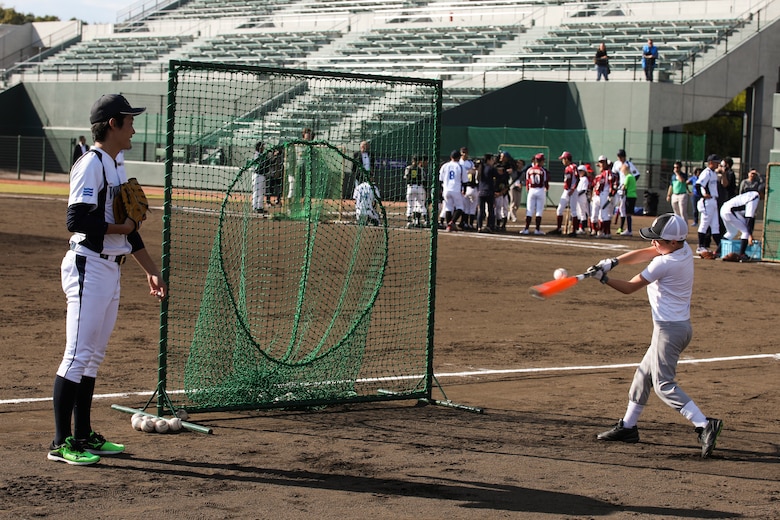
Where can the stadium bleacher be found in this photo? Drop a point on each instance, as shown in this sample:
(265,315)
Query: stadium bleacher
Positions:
(118,56)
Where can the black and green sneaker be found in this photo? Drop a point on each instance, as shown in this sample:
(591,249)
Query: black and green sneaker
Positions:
(72,452)
(98,445)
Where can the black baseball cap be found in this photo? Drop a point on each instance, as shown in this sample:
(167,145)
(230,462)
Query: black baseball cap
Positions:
(112,105)
(621,153)
(455,154)
(713,158)
(666,227)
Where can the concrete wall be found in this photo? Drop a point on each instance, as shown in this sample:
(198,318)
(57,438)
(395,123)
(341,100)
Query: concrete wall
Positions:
(63,109)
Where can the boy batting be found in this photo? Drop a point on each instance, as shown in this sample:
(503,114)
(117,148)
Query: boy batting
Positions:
(669,281)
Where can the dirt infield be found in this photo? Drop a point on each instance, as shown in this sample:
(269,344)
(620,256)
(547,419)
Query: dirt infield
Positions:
(549,375)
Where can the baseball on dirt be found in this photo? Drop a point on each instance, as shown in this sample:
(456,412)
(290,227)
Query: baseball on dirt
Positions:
(161,426)
(148,425)
(137,423)
(560,273)
(174,424)
(182,414)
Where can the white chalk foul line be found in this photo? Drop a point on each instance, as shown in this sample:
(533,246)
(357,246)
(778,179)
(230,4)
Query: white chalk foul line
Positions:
(481,372)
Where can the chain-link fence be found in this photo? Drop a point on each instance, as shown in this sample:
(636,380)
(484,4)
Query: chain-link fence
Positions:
(43,157)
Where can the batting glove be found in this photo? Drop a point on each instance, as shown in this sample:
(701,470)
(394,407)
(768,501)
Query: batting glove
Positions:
(607,264)
(597,273)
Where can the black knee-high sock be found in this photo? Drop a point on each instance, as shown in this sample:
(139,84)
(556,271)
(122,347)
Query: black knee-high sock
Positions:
(82,424)
(702,239)
(64,400)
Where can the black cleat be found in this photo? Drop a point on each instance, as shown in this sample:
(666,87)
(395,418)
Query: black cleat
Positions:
(619,433)
(708,436)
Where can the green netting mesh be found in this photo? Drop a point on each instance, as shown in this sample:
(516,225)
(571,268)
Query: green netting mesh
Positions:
(292,280)
(771,244)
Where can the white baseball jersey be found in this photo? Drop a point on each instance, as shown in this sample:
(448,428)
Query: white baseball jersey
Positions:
(452,176)
(735,213)
(671,285)
(708,208)
(618,165)
(708,181)
(86,182)
(364,196)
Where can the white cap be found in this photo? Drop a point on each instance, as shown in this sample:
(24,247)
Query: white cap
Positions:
(666,227)
(602,158)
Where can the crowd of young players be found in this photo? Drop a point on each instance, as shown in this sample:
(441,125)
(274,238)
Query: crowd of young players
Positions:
(485,194)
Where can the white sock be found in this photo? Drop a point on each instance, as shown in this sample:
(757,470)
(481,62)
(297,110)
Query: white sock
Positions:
(633,411)
(691,412)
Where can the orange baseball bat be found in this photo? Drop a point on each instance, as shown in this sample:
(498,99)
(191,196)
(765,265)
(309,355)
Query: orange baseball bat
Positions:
(553,287)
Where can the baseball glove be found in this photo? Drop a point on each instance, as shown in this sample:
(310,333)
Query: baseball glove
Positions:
(731,257)
(131,203)
(709,255)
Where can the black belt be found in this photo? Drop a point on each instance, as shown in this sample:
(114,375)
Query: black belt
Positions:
(120,259)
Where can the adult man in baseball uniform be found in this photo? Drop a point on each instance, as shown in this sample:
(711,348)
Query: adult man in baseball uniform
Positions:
(739,216)
(669,281)
(570,179)
(452,177)
(708,207)
(90,279)
(536,183)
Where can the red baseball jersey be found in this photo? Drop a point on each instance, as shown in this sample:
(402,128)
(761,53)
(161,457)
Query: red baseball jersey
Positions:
(570,177)
(536,177)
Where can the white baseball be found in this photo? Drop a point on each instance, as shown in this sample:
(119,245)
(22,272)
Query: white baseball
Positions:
(161,426)
(182,414)
(560,273)
(174,424)
(137,423)
(148,424)
(137,415)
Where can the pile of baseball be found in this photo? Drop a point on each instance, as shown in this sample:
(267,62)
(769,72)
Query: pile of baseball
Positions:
(152,424)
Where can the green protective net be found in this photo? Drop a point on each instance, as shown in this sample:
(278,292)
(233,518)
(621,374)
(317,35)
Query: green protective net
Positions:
(293,281)
(771,235)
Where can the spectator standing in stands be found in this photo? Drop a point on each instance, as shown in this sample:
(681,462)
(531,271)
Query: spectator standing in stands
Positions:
(649,57)
(80,149)
(752,183)
(602,63)
(677,194)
